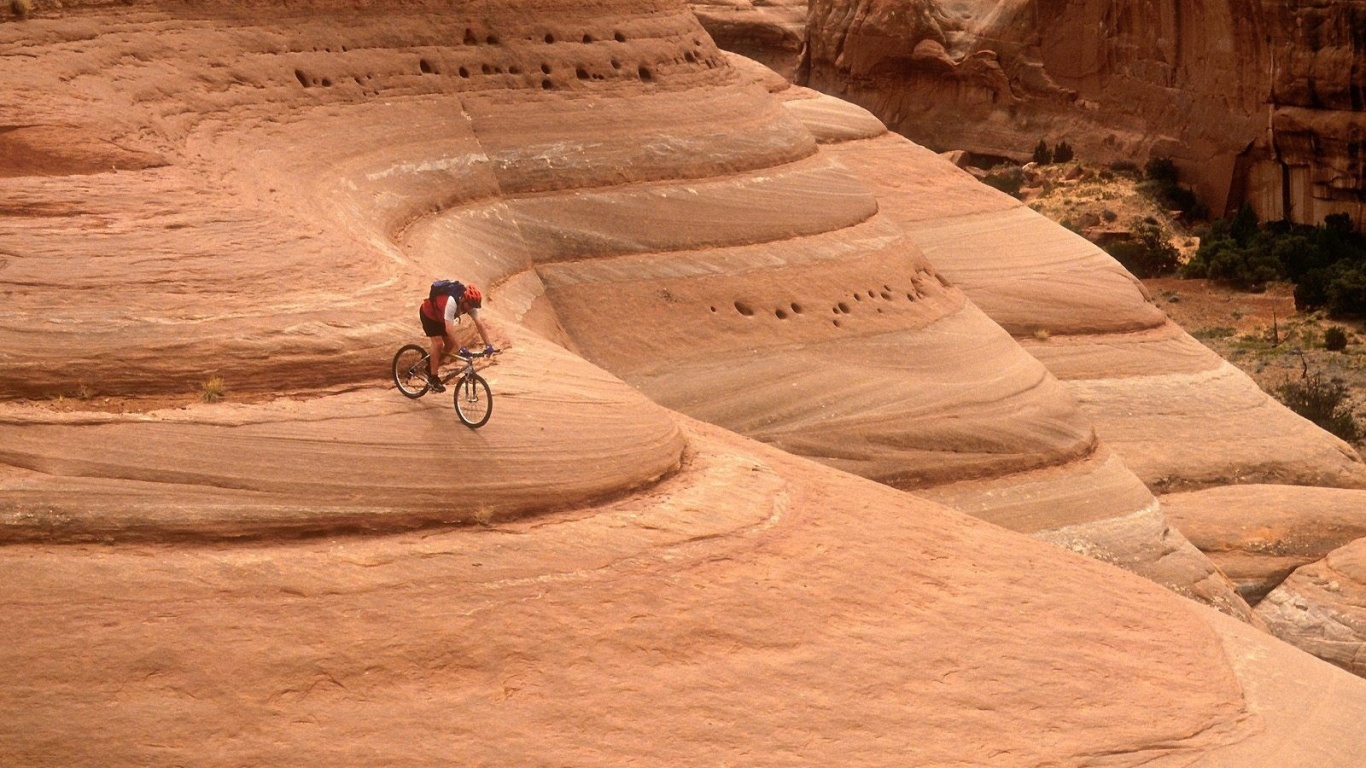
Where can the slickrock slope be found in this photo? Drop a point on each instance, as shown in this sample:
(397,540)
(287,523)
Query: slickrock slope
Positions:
(1176,412)
(1322,608)
(322,568)
(1255,101)
(1259,534)
(753,608)
(809,321)
(363,459)
(814,324)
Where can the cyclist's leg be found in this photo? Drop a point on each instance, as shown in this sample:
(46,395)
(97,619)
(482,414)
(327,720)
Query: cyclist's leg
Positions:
(434,362)
(436,332)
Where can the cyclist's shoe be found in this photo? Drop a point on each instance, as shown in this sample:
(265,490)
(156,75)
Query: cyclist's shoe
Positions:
(434,382)
(488,350)
(463,353)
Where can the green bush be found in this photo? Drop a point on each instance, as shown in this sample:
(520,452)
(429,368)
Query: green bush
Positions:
(1148,254)
(1062,153)
(1161,170)
(1347,290)
(1327,264)
(1237,253)
(1126,167)
(1323,402)
(1042,155)
(1335,338)
(1008,179)
(1163,185)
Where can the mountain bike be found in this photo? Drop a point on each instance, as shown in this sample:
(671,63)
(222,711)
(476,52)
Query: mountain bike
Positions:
(473,398)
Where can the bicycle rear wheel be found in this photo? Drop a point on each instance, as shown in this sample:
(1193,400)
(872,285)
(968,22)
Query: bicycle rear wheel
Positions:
(410,370)
(473,400)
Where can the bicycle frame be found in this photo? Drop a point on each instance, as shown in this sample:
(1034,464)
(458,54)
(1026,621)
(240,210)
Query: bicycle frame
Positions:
(463,370)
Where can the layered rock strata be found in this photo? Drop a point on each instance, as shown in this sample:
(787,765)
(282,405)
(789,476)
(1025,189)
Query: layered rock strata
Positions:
(239,583)
(806,613)
(811,321)
(1256,102)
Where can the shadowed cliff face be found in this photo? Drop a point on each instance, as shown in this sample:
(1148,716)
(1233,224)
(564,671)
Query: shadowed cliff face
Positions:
(1254,101)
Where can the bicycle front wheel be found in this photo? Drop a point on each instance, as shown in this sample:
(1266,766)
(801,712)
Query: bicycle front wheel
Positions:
(473,400)
(410,371)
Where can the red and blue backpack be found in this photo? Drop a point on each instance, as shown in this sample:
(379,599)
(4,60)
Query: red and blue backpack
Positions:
(468,296)
(453,288)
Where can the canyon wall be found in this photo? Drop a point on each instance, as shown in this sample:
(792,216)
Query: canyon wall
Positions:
(1254,101)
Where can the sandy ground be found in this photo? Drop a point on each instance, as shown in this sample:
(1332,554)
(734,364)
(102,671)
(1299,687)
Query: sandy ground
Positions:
(1264,335)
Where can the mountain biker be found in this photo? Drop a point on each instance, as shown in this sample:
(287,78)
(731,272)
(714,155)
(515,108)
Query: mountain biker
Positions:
(445,303)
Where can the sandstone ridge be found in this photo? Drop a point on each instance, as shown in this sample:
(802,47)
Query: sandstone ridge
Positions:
(321,567)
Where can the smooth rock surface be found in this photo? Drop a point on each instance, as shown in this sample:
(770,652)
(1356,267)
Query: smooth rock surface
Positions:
(1259,534)
(1322,608)
(319,569)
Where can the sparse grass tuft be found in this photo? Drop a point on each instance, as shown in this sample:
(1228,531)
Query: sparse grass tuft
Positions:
(21,8)
(1220,332)
(213,390)
(1042,334)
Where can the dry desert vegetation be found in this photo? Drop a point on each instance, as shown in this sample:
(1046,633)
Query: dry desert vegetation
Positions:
(781,469)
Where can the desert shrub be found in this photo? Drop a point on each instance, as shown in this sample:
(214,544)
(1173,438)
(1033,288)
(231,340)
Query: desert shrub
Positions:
(21,8)
(1148,254)
(1237,254)
(1042,155)
(1161,170)
(1322,401)
(1245,225)
(1327,264)
(1347,290)
(1109,215)
(1163,185)
(1222,260)
(213,390)
(1007,178)
(1335,338)
(1062,153)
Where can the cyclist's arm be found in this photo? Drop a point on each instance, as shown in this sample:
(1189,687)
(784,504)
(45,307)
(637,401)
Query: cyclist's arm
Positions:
(479,326)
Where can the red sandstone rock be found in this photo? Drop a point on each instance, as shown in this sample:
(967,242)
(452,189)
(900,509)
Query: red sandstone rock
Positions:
(1196,82)
(591,578)
(1322,608)
(1259,534)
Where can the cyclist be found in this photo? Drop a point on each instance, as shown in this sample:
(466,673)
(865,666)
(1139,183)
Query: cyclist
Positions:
(445,303)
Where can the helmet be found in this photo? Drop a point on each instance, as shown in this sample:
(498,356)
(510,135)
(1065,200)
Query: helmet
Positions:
(473,296)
